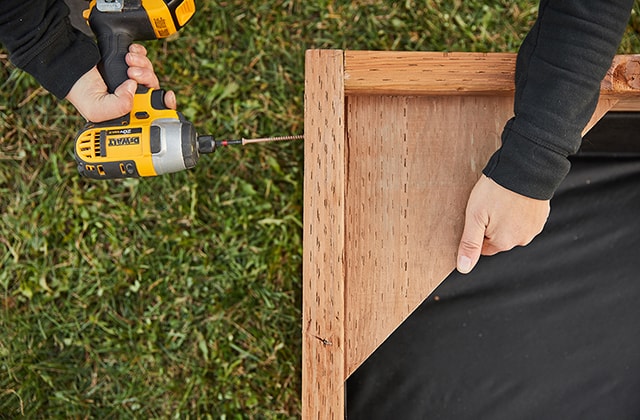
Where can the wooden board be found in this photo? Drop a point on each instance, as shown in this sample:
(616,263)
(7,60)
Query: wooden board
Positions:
(428,73)
(394,142)
(436,73)
(417,159)
(323,250)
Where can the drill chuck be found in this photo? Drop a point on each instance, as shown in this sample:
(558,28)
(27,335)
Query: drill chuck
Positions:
(206,144)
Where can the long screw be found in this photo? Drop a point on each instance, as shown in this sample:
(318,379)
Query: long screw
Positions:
(207,144)
(270,139)
(243,141)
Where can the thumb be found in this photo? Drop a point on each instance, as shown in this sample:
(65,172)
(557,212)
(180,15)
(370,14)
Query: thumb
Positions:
(471,243)
(122,98)
(103,106)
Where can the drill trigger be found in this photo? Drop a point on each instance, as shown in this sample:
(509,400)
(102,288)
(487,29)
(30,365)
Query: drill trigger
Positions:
(157,99)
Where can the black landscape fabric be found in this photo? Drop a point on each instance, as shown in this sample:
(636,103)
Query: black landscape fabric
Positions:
(547,331)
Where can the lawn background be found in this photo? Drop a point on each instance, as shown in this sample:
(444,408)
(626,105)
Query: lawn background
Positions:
(179,296)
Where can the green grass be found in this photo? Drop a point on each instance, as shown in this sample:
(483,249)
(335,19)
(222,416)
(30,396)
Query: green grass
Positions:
(179,296)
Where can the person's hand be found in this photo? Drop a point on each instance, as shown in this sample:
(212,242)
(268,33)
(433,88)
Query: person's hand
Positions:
(497,220)
(90,97)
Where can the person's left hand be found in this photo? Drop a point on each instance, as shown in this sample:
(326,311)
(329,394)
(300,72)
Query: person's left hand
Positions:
(90,97)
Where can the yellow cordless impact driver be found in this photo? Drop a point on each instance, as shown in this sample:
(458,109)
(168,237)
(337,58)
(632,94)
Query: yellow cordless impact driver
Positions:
(152,139)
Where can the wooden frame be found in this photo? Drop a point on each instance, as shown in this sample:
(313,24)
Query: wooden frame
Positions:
(394,142)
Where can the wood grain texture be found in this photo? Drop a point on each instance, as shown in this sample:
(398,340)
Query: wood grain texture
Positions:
(413,162)
(623,77)
(394,142)
(438,73)
(623,80)
(323,238)
(428,73)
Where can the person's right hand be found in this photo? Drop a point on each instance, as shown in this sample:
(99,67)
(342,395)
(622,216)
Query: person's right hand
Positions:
(497,220)
(90,97)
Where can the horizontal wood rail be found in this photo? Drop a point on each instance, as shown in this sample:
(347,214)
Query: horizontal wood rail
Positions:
(437,73)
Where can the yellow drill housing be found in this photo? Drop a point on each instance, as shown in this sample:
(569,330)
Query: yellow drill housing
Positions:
(142,143)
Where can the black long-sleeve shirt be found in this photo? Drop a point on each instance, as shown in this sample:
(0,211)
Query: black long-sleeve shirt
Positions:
(41,41)
(560,66)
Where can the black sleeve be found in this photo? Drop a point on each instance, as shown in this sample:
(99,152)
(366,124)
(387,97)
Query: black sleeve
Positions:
(41,41)
(560,66)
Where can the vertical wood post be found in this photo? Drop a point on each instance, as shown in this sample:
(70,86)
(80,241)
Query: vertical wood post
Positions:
(323,369)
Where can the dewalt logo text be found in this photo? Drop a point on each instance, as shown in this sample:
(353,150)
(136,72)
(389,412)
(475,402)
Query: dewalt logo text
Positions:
(123,141)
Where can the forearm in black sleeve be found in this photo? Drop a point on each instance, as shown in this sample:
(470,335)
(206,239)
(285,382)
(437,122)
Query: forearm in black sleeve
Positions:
(41,41)
(559,70)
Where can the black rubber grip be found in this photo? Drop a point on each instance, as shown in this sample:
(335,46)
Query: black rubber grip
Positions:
(113,67)
(115,31)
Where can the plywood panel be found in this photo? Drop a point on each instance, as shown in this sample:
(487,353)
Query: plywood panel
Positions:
(413,161)
(377,220)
